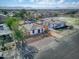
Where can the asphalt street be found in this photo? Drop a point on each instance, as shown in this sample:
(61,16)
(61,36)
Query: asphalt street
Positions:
(66,49)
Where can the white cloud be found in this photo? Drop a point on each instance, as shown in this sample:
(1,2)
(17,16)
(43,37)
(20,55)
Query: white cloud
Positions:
(48,2)
(69,5)
(31,0)
(60,1)
(20,1)
(51,3)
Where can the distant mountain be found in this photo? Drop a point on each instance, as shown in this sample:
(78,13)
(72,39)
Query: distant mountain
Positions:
(15,8)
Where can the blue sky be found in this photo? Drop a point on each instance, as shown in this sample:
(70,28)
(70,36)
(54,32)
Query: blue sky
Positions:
(40,3)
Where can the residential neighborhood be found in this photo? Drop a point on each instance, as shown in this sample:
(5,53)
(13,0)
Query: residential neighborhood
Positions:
(39,30)
(38,33)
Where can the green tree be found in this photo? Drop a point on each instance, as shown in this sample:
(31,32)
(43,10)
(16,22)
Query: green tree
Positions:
(10,21)
(13,24)
(21,14)
(55,14)
(5,12)
(19,37)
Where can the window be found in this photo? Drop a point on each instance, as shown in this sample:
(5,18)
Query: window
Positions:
(33,31)
(42,30)
(38,30)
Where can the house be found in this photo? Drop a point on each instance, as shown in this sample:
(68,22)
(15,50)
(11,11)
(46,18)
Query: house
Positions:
(30,21)
(33,29)
(4,30)
(54,24)
(57,25)
(10,14)
(2,18)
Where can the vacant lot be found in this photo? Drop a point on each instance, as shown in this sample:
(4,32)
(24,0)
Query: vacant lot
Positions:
(65,50)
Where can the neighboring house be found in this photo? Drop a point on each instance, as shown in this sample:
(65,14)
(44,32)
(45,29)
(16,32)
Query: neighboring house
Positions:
(39,27)
(33,29)
(29,21)
(57,25)
(10,14)
(54,24)
(2,18)
(5,34)
(4,30)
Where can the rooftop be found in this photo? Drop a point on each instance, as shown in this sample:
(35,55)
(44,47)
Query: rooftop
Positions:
(32,26)
(4,30)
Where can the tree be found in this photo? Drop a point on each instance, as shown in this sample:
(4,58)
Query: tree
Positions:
(55,14)
(21,14)
(19,37)
(10,21)
(5,12)
(13,24)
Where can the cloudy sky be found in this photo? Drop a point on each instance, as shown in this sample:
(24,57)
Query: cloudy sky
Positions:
(41,3)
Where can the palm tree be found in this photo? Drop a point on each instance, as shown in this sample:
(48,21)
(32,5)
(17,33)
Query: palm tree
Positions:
(19,37)
(13,24)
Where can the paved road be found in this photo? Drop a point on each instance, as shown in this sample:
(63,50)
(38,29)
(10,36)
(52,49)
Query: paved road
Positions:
(67,49)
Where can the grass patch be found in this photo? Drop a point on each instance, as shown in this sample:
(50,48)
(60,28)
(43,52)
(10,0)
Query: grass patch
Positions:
(73,21)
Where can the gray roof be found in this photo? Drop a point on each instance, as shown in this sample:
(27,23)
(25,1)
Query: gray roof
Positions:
(32,26)
(4,30)
(2,18)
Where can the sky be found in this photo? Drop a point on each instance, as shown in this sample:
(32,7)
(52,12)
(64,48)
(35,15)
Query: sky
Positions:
(40,3)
